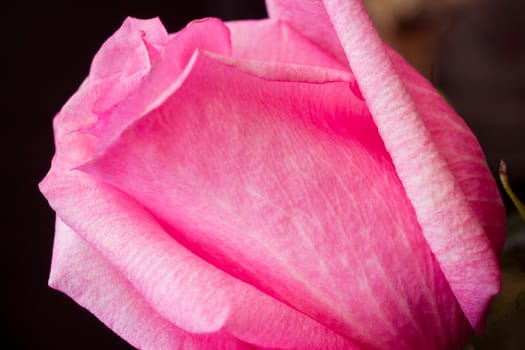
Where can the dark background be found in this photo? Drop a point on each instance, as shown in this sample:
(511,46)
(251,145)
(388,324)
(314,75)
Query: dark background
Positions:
(478,62)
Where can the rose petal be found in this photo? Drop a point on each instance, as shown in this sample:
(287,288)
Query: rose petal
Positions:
(448,222)
(460,149)
(263,189)
(176,285)
(125,58)
(423,160)
(167,74)
(83,274)
(179,286)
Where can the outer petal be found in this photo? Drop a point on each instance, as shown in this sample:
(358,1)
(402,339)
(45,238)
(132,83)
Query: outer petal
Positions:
(177,286)
(448,204)
(263,178)
(82,273)
(460,150)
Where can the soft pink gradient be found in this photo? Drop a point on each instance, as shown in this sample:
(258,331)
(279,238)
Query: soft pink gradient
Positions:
(288,183)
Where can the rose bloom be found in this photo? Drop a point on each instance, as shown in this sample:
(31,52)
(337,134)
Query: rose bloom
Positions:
(286,183)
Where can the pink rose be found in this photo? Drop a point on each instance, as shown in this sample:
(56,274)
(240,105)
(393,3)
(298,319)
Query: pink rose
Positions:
(288,183)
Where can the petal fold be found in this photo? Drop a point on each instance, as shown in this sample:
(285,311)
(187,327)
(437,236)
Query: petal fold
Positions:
(166,75)
(124,53)
(83,274)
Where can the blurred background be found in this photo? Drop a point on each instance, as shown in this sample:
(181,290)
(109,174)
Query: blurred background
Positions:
(472,50)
